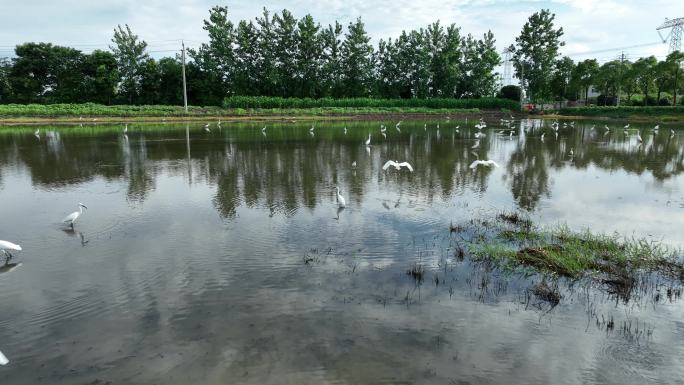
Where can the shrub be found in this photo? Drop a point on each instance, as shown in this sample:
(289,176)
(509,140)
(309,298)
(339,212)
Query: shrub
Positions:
(436,103)
(510,92)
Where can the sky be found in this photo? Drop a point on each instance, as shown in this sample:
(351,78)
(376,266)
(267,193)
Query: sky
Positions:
(596,29)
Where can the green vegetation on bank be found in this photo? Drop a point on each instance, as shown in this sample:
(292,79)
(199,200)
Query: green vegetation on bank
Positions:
(260,106)
(433,103)
(623,111)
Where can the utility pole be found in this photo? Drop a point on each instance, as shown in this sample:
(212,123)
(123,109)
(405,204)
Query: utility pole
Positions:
(522,85)
(185,90)
(622,59)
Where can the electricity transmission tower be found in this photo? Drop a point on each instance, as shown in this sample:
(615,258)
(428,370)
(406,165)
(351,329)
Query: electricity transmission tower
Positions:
(507,79)
(675,34)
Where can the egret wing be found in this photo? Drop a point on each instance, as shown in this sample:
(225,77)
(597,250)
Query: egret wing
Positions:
(9,246)
(71,217)
(407,165)
(388,164)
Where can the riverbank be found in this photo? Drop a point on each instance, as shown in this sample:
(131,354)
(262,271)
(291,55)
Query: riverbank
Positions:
(632,113)
(292,115)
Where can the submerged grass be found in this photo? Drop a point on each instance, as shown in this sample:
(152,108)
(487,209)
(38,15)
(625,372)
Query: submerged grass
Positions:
(569,253)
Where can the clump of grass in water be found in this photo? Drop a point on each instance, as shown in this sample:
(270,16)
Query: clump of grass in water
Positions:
(571,254)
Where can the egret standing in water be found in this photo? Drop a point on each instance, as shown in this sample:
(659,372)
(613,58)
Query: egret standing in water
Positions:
(71,218)
(125,129)
(340,199)
(206,128)
(5,246)
(3,360)
(368,140)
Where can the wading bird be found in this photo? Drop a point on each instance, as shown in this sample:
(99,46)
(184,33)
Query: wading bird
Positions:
(206,128)
(311,129)
(368,140)
(345,130)
(71,218)
(340,198)
(397,165)
(354,164)
(572,152)
(263,129)
(5,246)
(3,360)
(487,163)
(639,138)
(125,129)
(626,126)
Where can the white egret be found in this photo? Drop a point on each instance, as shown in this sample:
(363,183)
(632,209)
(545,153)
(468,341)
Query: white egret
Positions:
(593,127)
(382,128)
(354,164)
(425,127)
(398,124)
(37,132)
(206,128)
(368,140)
(438,126)
(125,128)
(263,129)
(672,132)
(542,136)
(5,246)
(340,199)
(487,163)
(606,127)
(345,130)
(312,128)
(476,145)
(3,360)
(572,152)
(626,126)
(71,218)
(397,165)
(639,138)
(219,123)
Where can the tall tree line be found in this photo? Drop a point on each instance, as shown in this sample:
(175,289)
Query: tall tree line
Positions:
(272,55)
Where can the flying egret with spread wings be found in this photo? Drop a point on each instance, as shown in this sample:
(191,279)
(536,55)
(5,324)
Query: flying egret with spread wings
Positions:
(397,165)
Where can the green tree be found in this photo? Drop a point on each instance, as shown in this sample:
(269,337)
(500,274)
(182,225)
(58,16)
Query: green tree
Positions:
(100,77)
(170,81)
(357,61)
(332,61)
(509,92)
(309,50)
(479,62)
(445,57)
(536,52)
(43,73)
(561,79)
(131,57)
(246,77)
(674,60)
(5,88)
(644,68)
(266,64)
(216,58)
(284,47)
(582,77)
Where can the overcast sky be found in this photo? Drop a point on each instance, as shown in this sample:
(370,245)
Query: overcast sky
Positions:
(589,25)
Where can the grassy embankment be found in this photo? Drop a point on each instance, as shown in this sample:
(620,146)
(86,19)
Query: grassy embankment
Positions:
(243,108)
(650,113)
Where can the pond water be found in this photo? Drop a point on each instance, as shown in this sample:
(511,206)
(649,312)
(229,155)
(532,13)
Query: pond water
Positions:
(221,256)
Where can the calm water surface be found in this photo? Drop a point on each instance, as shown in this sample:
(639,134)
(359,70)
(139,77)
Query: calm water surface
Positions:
(221,257)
